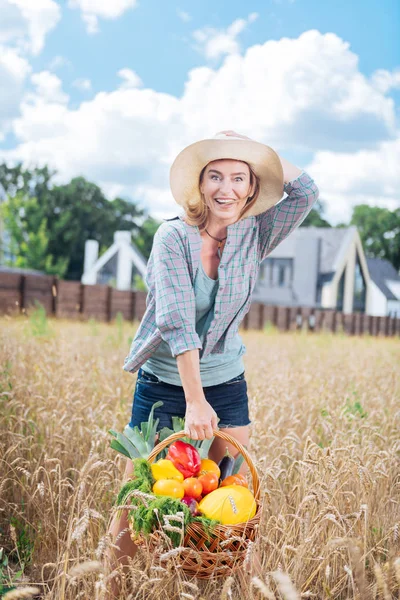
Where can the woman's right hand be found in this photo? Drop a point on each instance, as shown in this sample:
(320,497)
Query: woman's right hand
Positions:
(200,419)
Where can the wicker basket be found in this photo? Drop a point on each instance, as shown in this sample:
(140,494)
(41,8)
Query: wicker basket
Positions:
(210,554)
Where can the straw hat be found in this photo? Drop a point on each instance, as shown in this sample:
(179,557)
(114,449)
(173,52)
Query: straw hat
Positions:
(186,169)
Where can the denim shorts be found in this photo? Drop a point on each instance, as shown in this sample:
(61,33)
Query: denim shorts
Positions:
(228,399)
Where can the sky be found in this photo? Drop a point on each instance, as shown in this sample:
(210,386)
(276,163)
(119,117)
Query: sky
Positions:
(114,90)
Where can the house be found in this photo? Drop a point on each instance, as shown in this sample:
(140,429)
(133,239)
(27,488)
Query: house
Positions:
(119,264)
(384,288)
(320,267)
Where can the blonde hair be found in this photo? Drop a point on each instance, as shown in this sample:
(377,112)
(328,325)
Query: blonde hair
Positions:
(197,211)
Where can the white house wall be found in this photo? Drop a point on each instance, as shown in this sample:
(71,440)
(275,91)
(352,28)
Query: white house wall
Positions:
(351,246)
(394,287)
(328,295)
(377,301)
(393,308)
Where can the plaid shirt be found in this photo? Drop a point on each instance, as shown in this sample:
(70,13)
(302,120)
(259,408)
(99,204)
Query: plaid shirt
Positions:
(172,267)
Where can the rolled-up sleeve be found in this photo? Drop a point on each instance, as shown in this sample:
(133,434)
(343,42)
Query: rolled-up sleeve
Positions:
(276,223)
(169,281)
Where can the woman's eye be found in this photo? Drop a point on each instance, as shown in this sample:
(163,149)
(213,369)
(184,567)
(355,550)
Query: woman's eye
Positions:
(214,176)
(239,178)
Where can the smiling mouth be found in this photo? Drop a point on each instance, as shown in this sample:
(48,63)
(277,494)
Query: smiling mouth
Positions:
(224,202)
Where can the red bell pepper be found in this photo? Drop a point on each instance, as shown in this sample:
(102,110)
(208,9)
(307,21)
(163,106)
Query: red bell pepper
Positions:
(185,457)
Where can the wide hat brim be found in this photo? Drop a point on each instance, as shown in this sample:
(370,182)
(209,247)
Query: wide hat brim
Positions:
(186,168)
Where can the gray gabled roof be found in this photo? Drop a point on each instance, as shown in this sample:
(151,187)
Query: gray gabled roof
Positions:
(380,271)
(332,240)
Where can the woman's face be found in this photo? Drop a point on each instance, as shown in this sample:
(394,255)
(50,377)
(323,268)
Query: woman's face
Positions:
(226,187)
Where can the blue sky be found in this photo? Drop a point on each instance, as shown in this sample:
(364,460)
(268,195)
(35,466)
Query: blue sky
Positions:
(113,90)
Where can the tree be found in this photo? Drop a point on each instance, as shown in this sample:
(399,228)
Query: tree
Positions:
(17,180)
(66,216)
(79,211)
(24,220)
(379,229)
(315,217)
(143,239)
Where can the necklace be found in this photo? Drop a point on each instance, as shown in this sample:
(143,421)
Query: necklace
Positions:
(217,240)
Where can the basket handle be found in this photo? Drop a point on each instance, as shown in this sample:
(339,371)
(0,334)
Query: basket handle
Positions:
(224,436)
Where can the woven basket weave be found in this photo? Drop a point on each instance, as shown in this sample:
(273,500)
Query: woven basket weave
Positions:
(212,553)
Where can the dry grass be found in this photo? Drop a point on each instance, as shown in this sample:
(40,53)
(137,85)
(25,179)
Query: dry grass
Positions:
(326,416)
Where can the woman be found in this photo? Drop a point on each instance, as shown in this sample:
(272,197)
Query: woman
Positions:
(201,274)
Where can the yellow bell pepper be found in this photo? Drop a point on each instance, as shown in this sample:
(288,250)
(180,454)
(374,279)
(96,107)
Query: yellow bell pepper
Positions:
(165,469)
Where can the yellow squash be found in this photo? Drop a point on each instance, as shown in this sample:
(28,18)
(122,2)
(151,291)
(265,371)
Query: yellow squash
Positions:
(165,469)
(230,505)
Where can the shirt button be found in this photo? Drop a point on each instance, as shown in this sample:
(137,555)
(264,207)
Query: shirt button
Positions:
(228,242)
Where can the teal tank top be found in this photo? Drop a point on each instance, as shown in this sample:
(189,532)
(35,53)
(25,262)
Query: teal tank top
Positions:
(215,368)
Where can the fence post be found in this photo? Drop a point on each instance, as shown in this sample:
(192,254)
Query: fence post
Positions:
(397,327)
(22,294)
(108,303)
(54,290)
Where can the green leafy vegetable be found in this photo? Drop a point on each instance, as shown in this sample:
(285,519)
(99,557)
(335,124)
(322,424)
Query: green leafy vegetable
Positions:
(134,442)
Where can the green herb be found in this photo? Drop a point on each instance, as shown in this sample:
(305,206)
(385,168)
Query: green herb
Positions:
(142,481)
(208,524)
(146,519)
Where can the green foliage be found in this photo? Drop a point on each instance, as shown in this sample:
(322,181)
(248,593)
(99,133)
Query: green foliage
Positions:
(6,577)
(49,224)
(139,284)
(134,442)
(146,519)
(353,407)
(142,481)
(315,219)
(208,524)
(85,213)
(38,322)
(24,540)
(26,223)
(5,378)
(270,328)
(93,326)
(379,229)
(28,182)
(143,239)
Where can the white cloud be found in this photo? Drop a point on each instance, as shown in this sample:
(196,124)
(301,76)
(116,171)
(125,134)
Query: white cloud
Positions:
(59,62)
(215,43)
(304,94)
(84,85)
(25,23)
(23,27)
(363,177)
(183,15)
(14,70)
(48,88)
(130,79)
(92,10)
(383,80)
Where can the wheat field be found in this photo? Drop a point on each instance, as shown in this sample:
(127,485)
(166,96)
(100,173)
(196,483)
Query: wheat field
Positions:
(325,415)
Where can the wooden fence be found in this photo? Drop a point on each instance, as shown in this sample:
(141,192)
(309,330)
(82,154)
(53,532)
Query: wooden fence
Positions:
(73,300)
